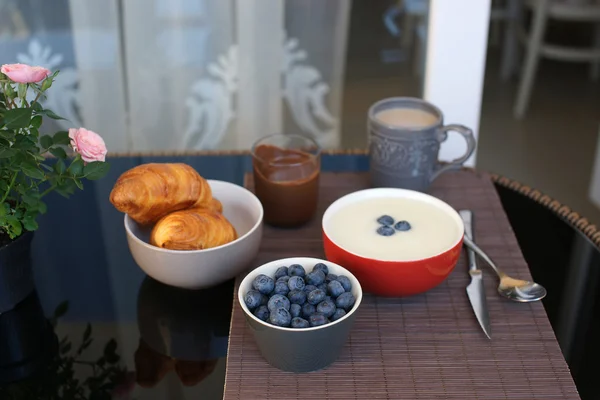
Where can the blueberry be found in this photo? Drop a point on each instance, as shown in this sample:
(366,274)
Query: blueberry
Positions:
(385,231)
(315,277)
(308,310)
(295,310)
(252,299)
(296,270)
(323,287)
(298,322)
(281,271)
(297,296)
(281,288)
(264,284)
(345,301)
(345,281)
(402,226)
(339,313)
(335,288)
(309,288)
(280,317)
(278,301)
(321,267)
(326,307)
(385,220)
(330,277)
(264,299)
(316,296)
(283,279)
(318,319)
(262,313)
(296,282)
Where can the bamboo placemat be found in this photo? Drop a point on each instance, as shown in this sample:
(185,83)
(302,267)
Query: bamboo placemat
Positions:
(428,346)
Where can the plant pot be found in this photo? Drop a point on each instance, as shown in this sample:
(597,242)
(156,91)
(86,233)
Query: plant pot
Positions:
(16,276)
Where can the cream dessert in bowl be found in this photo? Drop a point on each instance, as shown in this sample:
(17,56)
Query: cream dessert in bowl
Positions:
(397,242)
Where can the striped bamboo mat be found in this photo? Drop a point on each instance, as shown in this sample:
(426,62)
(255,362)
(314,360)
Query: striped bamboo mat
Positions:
(425,347)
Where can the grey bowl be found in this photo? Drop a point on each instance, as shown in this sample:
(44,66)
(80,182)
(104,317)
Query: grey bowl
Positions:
(300,350)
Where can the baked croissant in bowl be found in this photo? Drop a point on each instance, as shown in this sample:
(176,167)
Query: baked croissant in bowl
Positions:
(150,191)
(192,229)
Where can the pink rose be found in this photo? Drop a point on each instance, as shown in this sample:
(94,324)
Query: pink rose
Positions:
(87,143)
(23,73)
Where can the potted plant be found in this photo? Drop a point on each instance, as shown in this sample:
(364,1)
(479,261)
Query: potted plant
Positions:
(31,167)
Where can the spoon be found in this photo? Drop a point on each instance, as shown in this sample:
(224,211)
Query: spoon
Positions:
(513,289)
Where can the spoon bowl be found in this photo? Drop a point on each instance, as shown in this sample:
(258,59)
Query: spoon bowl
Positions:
(513,289)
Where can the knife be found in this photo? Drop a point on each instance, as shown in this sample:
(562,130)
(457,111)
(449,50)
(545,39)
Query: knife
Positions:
(475,290)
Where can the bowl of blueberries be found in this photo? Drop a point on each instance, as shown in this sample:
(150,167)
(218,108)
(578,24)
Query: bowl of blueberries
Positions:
(300,311)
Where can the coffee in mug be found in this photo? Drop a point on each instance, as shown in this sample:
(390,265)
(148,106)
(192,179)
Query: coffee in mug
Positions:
(405,134)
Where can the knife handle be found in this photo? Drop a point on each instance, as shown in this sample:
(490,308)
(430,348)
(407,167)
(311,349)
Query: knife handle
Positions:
(467,217)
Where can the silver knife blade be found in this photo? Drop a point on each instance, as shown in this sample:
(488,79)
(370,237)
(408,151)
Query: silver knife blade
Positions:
(476,290)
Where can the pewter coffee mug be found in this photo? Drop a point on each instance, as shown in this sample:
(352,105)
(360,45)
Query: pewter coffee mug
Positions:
(405,134)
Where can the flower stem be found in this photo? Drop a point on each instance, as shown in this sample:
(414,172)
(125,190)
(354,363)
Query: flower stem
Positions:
(36,98)
(12,182)
(45,192)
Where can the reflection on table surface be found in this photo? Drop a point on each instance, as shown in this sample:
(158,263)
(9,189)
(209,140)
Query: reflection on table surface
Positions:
(180,351)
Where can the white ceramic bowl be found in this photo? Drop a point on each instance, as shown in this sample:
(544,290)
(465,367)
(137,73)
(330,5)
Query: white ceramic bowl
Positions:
(196,269)
(312,348)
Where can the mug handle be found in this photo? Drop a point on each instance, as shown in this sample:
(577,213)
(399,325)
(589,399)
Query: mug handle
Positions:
(455,164)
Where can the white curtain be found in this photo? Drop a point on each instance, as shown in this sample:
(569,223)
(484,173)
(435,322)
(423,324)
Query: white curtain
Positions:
(154,75)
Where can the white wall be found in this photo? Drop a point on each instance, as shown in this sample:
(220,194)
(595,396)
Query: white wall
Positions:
(455,66)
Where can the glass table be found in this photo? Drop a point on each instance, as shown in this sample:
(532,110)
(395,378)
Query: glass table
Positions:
(96,321)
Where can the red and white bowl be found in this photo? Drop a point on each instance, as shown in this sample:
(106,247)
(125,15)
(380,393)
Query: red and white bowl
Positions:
(394,278)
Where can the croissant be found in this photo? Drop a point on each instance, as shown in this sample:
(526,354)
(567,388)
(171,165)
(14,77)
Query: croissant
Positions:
(151,191)
(213,204)
(192,229)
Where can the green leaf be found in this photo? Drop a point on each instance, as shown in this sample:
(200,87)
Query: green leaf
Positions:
(59,167)
(29,223)
(76,167)
(34,133)
(61,137)
(36,121)
(46,84)
(61,309)
(3,210)
(42,208)
(10,91)
(31,198)
(51,114)
(5,153)
(46,141)
(24,142)
(17,118)
(7,134)
(32,170)
(66,188)
(15,225)
(22,90)
(37,107)
(78,183)
(95,170)
(58,152)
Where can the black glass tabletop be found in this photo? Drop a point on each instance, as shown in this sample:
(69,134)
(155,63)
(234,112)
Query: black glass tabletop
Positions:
(97,327)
